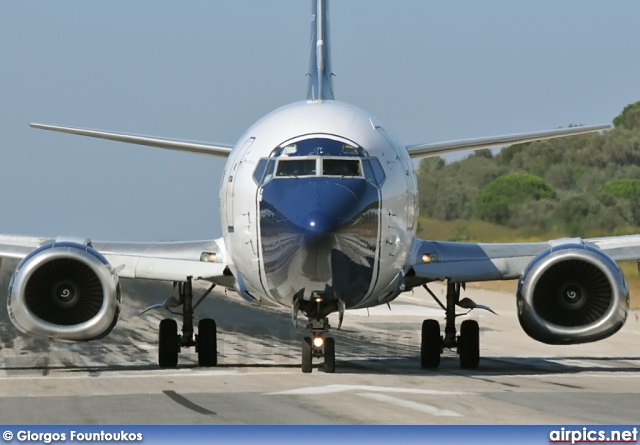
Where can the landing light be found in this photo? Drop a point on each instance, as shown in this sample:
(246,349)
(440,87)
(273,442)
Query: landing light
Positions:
(318,342)
(208,257)
(318,299)
(312,223)
(429,258)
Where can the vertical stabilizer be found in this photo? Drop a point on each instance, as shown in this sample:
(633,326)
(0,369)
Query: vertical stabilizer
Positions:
(320,82)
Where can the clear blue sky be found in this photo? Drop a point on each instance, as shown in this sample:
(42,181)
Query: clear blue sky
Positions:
(206,70)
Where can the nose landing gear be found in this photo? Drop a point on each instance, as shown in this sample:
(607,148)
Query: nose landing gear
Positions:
(317,345)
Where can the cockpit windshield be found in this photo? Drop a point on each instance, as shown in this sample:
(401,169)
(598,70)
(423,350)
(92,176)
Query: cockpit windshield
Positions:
(367,168)
(296,167)
(319,156)
(341,167)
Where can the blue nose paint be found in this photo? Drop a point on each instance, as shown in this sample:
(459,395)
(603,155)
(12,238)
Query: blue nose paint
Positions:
(317,231)
(317,204)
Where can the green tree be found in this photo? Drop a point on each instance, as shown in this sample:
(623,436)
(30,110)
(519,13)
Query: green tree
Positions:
(495,201)
(573,215)
(629,118)
(623,188)
(447,191)
(590,174)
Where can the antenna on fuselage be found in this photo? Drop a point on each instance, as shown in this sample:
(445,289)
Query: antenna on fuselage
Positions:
(320,83)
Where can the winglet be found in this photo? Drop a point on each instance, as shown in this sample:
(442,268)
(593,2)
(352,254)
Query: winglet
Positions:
(320,83)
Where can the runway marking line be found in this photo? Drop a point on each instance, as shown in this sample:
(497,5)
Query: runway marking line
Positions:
(421,407)
(332,389)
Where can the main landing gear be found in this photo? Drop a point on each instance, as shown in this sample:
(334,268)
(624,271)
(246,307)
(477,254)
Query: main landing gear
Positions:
(170,342)
(467,343)
(318,346)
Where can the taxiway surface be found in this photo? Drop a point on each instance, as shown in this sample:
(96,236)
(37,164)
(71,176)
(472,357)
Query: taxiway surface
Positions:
(258,381)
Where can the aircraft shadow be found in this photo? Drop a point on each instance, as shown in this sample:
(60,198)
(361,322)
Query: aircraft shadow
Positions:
(269,329)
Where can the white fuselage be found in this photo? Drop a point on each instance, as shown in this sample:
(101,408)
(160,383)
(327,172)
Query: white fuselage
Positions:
(272,222)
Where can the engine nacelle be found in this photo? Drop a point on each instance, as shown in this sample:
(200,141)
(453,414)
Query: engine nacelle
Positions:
(572,294)
(64,291)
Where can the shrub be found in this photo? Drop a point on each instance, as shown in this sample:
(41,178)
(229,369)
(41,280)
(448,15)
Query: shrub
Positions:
(495,201)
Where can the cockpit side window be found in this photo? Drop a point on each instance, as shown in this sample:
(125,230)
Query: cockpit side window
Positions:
(295,167)
(373,171)
(269,173)
(259,171)
(378,172)
(341,167)
(368,171)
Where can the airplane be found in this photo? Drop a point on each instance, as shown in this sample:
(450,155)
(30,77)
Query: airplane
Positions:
(319,211)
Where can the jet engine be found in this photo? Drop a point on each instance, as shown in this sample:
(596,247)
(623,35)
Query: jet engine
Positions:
(64,290)
(570,294)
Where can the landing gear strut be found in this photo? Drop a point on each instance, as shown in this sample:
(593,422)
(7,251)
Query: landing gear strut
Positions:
(467,343)
(170,342)
(318,346)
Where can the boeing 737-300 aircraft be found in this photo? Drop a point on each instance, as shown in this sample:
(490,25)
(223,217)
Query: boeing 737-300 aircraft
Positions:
(318,203)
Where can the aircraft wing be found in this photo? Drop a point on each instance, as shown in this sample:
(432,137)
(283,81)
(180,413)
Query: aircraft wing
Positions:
(219,150)
(169,261)
(443,148)
(469,262)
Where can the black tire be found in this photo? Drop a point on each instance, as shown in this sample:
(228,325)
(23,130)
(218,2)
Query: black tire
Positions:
(469,344)
(329,355)
(307,355)
(168,345)
(207,343)
(431,345)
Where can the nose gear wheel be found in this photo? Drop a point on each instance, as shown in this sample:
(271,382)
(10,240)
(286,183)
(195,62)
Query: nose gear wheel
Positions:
(316,308)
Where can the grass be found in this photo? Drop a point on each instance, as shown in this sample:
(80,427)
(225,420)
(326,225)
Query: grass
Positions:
(480,231)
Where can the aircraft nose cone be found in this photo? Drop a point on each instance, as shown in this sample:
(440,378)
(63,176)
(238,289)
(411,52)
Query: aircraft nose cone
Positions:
(319,222)
(314,206)
(317,232)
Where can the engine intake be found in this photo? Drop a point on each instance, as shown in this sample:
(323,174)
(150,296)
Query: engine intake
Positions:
(64,291)
(572,294)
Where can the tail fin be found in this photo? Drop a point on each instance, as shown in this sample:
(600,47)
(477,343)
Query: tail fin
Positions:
(320,82)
